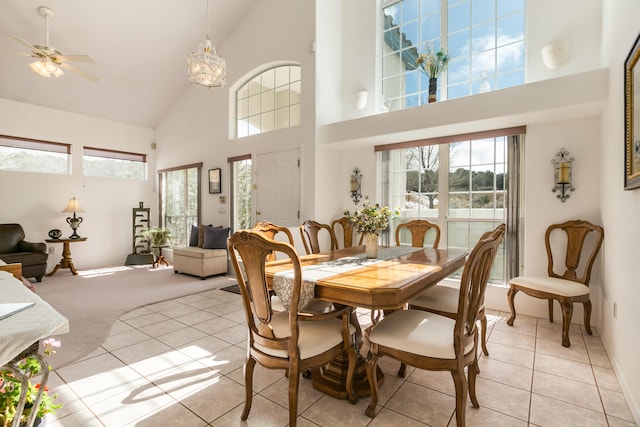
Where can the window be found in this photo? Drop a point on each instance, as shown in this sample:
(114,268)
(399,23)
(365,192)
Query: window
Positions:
(113,164)
(180,201)
(459,183)
(240,168)
(269,101)
(485,40)
(32,155)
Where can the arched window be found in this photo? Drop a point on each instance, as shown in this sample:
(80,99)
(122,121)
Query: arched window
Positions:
(269,101)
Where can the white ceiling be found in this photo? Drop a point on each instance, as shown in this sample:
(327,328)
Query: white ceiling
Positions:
(140,48)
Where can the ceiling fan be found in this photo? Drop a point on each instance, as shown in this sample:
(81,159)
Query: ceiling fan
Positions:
(50,61)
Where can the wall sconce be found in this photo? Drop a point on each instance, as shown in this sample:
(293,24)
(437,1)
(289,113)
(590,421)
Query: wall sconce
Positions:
(562,174)
(360,99)
(356,181)
(555,54)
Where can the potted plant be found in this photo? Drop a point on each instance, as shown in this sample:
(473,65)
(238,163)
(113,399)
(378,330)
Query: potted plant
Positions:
(11,387)
(157,236)
(370,220)
(433,63)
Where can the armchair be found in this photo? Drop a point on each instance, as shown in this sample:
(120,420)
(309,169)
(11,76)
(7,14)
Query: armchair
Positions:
(13,248)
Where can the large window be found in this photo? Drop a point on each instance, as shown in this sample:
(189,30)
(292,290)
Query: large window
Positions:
(114,164)
(462,186)
(485,40)
(269,101)
(180,201)
(32,155)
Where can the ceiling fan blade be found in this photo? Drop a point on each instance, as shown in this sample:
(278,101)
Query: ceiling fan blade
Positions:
(76,58)
(79,72)
(15,53)
(23,42)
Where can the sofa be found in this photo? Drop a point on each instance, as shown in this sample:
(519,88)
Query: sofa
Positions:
(206,254)
(14,249)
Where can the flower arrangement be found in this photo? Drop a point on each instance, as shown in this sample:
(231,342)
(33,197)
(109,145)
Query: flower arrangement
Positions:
(10,388)
(371,218)
(432,62)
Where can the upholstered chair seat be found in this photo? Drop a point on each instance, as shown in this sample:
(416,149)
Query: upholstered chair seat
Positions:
(406,330)
(566,288)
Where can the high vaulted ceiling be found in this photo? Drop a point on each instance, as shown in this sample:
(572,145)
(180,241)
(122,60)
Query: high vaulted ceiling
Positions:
(140,48)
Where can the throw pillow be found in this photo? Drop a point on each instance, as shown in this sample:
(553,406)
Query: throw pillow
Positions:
(201,234)
(215,238)
(195,233)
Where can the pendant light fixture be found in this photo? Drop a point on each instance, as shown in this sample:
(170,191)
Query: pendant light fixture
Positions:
(205,67)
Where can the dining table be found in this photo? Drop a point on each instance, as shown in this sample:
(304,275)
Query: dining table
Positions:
(382,284)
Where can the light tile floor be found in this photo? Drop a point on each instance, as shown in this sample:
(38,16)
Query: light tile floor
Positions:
(179,363)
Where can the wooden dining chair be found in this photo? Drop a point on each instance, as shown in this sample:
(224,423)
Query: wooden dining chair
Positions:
(270,230)
(443,300)
(419,229)
(568,287)
(288,340)
(347,232)
(439,343)
(310,232)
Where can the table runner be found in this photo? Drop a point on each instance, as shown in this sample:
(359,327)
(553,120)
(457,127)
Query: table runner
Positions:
(283,281)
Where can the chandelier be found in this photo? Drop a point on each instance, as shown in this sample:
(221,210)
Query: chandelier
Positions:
(205,67)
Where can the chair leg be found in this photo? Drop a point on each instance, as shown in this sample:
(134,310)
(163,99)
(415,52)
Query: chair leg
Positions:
(483,326)
(372,376)
(248,387)
(351,372)
(294,383)
(402,370)
(510,297)
(550,302)
(472,371)
(587,316)
(567,312)
(461,395)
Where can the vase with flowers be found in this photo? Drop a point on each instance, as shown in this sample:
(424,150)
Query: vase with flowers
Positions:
(369,220)
(11,389)
(433,62)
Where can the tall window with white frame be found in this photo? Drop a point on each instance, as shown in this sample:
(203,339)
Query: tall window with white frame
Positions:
(485,41)
(180,201)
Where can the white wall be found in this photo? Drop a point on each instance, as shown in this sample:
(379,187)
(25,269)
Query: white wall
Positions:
(36,200)
(620,209)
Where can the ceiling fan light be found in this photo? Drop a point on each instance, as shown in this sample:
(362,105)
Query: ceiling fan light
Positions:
(39,68)
(46,69)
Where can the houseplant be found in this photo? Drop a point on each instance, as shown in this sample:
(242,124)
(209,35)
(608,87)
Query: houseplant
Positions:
(10,388)
(370,220)
(433,62)
(157,236)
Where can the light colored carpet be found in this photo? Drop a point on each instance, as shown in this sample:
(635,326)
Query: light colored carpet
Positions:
(94,299)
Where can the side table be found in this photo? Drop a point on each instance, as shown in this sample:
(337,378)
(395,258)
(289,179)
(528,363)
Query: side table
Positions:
(66,261)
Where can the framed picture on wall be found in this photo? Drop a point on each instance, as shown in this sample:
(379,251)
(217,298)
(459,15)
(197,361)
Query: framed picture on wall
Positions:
(632,118)
(215,182)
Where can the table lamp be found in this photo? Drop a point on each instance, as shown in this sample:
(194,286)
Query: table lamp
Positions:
(74,222)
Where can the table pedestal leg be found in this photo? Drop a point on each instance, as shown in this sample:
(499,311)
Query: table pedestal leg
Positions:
(66,261)
(333,378)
